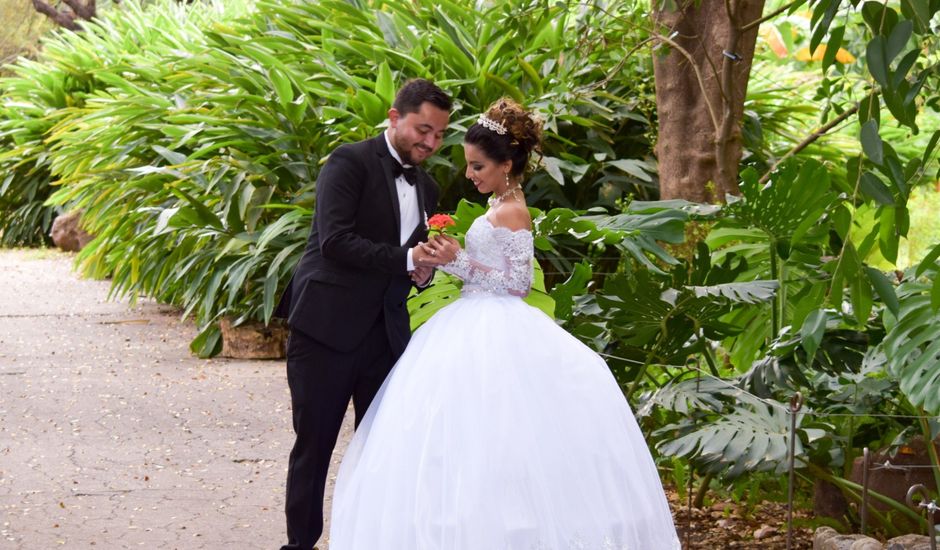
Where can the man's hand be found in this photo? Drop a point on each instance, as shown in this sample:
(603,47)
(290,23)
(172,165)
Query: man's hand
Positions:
(444,248)
(421,276)
(424,255)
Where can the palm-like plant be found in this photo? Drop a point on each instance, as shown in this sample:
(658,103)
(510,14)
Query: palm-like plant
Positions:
(195,158)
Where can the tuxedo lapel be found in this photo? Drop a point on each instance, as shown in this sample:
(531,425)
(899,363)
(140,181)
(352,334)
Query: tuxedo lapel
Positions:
(422,194)
(387,163)
(420,232)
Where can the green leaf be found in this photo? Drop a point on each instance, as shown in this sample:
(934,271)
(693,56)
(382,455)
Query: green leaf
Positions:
(872,186)
(904,66)
(752,437)
(929,261)
(870,109)
(824,12)
(635,168)
(930,147)
(896,173)
(576,285)
(921,11)
(862,300)
(786,208)
(912,346)
(423,305)
(201,213)
(384,86)
(532,74)
(871,142)
(887,234)
(880,18)
(282,86)
(172,157)
(208,343)
(372,109)
(935,294)
(842,270)
(268,297)
(541,301)
(750,292)
(884,288)
(552,167)
(832,48)
(897,40)
(811,333)
(877,60)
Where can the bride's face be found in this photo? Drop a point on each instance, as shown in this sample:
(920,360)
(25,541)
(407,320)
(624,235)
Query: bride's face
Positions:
(486,174)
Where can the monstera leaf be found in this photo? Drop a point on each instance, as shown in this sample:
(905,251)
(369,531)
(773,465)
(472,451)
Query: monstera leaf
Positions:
(752,435)
(668,322)
(644,225)
(786,207)
(685,396)
(912,345)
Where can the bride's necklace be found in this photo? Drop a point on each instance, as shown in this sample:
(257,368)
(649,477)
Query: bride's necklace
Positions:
(497,198)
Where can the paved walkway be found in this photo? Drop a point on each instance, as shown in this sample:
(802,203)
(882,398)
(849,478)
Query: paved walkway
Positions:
(113,436)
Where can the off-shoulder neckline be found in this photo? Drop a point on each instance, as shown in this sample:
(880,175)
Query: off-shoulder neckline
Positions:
(513,231)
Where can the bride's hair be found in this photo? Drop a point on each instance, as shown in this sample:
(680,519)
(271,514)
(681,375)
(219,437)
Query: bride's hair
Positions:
(522,136)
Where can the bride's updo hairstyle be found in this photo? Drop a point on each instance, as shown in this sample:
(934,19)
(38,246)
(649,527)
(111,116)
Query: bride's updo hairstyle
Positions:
(507,131)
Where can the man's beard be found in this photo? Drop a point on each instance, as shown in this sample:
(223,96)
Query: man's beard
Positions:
(406,157)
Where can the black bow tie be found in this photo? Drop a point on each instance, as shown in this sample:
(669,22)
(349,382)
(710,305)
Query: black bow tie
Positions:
(410,173)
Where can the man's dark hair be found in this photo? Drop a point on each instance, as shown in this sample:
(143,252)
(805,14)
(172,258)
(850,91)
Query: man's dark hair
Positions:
(417,91)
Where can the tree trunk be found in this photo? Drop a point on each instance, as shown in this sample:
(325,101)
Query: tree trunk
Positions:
(19,34)
(69,18)
(704,57)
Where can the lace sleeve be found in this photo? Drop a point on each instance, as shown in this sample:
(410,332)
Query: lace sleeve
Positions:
(516,247)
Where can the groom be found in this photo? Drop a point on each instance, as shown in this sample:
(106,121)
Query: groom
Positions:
(345,303)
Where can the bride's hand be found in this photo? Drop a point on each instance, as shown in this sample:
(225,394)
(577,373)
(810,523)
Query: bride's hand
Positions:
(445,248)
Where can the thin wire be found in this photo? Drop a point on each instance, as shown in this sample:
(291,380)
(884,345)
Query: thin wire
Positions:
(877,415)
(634,361)
(592,273)
(708,374)
(889,466)
(740,389)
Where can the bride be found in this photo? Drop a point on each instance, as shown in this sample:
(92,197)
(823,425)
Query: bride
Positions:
(498,430)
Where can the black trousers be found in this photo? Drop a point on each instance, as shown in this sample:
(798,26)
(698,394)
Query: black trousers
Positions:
(321,382)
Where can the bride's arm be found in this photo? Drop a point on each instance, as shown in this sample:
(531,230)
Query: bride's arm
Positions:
(516,279)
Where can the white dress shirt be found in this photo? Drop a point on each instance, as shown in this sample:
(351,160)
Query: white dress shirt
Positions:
(408,207)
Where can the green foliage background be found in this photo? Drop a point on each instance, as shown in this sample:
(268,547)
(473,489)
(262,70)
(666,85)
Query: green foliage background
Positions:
(191,136)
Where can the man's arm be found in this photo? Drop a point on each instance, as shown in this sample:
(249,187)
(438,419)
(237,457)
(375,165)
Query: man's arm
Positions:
(339,188)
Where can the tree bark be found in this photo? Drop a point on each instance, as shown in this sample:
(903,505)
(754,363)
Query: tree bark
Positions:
(701,83)
(67,18)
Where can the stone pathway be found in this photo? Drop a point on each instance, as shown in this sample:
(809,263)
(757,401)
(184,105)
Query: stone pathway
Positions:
(112,435)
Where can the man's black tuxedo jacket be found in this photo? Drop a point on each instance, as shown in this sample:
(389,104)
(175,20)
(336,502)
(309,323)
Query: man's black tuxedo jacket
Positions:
(354,266)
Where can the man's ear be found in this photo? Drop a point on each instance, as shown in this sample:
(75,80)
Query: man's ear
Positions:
(393,116)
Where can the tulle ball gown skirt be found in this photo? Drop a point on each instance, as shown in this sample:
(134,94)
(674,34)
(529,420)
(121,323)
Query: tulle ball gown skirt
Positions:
(498,430)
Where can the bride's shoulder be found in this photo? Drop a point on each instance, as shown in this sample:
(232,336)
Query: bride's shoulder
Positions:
(514,216)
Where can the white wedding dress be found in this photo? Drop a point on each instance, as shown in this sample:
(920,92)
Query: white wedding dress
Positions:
(498,430)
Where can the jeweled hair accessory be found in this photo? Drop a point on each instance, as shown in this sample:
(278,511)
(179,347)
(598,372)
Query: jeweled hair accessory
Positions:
(491,124)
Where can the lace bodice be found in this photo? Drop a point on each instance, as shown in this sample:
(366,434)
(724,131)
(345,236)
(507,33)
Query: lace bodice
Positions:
(496,260)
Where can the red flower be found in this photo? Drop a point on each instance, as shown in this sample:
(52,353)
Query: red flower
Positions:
(439,222)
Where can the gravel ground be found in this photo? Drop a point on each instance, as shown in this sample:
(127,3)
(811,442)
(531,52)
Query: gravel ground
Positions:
(112,435)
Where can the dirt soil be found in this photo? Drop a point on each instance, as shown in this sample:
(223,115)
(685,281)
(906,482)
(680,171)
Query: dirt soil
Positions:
(731,525)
